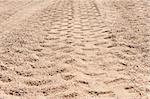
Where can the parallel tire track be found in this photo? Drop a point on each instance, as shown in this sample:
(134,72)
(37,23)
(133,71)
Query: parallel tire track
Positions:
(77,49)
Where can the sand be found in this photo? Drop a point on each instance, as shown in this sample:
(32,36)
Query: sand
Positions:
(74,49)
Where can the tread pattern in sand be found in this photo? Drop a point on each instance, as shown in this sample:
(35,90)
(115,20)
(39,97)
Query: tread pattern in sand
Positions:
(77,49)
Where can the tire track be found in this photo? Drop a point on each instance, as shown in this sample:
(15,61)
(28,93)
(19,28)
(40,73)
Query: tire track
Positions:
(132,27)
(77,49)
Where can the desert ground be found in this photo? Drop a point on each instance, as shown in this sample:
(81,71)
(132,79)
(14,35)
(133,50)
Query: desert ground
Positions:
(74,49)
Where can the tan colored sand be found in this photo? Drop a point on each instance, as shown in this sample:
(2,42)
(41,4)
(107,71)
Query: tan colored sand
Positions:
(74,49)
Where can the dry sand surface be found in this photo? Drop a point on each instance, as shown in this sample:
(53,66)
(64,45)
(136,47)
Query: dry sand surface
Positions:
(74,49)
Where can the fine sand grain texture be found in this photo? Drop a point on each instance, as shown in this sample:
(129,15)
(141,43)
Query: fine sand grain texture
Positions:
(74,49)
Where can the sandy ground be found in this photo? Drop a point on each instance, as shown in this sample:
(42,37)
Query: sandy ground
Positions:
(74,49)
